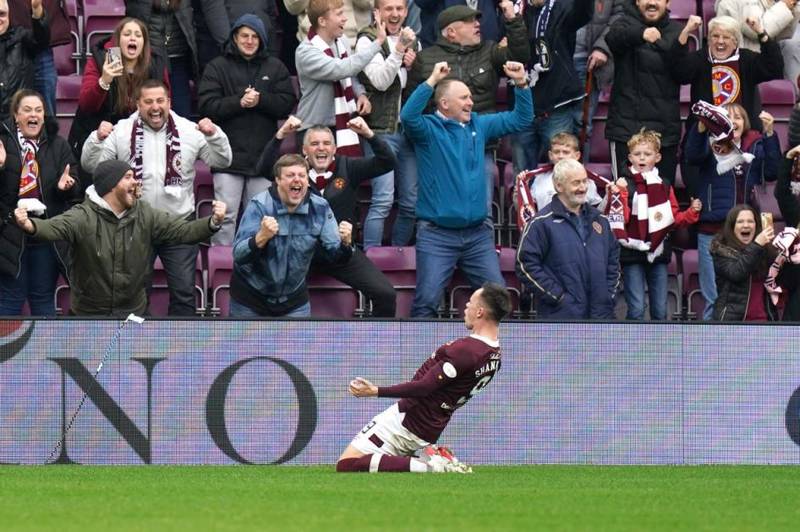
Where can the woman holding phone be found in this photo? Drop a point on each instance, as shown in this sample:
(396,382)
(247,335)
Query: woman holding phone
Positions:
(117,66)
(742,256)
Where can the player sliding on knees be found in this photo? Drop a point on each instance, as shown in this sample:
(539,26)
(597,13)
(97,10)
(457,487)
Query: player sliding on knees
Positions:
(445,381)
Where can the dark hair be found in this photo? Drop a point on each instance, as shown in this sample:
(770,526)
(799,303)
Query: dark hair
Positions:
(287,160)
(727,238)
(497,301)
(151,84)
(20,95)
(126,85)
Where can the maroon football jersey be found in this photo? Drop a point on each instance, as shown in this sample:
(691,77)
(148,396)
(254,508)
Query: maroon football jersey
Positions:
(445,381)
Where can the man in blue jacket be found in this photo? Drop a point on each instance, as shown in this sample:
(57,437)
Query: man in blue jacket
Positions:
(568,253)
(280,231)
(452,207)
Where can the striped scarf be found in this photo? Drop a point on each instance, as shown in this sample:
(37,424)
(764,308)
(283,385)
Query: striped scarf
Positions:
(651,216)
(172,174)
(523,195)
(788,245)
(344,99)
(29,174)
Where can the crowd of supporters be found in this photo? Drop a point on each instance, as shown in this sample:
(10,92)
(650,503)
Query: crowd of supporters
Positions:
(335,127)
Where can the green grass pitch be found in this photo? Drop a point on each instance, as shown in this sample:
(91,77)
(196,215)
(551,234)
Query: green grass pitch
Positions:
(156,498)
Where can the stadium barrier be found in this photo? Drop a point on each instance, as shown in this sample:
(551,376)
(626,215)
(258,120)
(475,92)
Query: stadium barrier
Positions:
(264,392)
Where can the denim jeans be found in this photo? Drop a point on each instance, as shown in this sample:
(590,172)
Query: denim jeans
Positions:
(237,310)
(45,79)
(440,251)
(36,283)
(653,277)
(404,180)
(708,281)
(234,190)
(180,261)
(180,73)
(528,146)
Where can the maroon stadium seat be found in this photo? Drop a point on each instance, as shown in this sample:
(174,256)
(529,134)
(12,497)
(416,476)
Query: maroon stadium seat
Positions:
(461,290)
(691,285)
(331,298)
(399,264)
(159,293)
(62,297)
(599,152)
(220,269)
(100,19)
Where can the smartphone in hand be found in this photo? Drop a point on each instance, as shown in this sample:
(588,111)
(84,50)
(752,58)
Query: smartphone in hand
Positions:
(115,54)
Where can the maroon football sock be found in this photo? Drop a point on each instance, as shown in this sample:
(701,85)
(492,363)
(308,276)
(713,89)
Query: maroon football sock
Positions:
(395,464)
(385,464)
(353,465)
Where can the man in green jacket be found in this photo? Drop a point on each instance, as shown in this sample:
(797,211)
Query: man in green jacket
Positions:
(112,234)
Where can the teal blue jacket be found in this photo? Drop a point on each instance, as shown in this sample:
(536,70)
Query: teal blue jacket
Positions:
(451,179)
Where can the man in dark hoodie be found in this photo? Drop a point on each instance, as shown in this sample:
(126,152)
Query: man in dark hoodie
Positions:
(246,92)
(558,92)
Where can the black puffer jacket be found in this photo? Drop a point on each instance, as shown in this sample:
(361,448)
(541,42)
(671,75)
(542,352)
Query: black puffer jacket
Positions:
(18,48)
(143,10)
(645,94)
(222,87)
(478,66)
(53,156)
(734,269)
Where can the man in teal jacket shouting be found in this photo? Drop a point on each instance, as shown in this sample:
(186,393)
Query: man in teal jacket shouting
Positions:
(454,227)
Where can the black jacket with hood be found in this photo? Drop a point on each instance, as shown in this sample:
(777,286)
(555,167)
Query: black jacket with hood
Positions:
(223,85)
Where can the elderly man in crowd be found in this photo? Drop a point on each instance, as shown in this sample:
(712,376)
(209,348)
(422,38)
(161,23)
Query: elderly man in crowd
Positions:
(568,253)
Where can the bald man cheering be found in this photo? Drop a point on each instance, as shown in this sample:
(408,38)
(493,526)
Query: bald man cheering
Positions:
(454,227)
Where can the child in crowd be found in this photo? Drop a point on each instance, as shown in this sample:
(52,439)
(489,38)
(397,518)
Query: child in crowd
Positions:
(642,221)
(534,189)
(732,159)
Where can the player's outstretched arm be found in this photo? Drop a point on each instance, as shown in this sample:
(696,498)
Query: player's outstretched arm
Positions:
(361,387)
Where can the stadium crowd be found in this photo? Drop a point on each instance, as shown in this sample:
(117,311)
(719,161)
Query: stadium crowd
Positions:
(449,130)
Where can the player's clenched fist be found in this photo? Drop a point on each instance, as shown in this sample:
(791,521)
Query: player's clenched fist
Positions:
(269,228)
(346,233)
(361,387)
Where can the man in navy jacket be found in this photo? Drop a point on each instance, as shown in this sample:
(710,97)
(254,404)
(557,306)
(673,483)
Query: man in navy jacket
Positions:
(568,253)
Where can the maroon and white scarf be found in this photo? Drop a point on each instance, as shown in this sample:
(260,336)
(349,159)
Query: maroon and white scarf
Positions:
(726,82)
(525,203)
(344,99)
(320,179)
(788,245)
(172,175)
(29,174)
(651,216)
